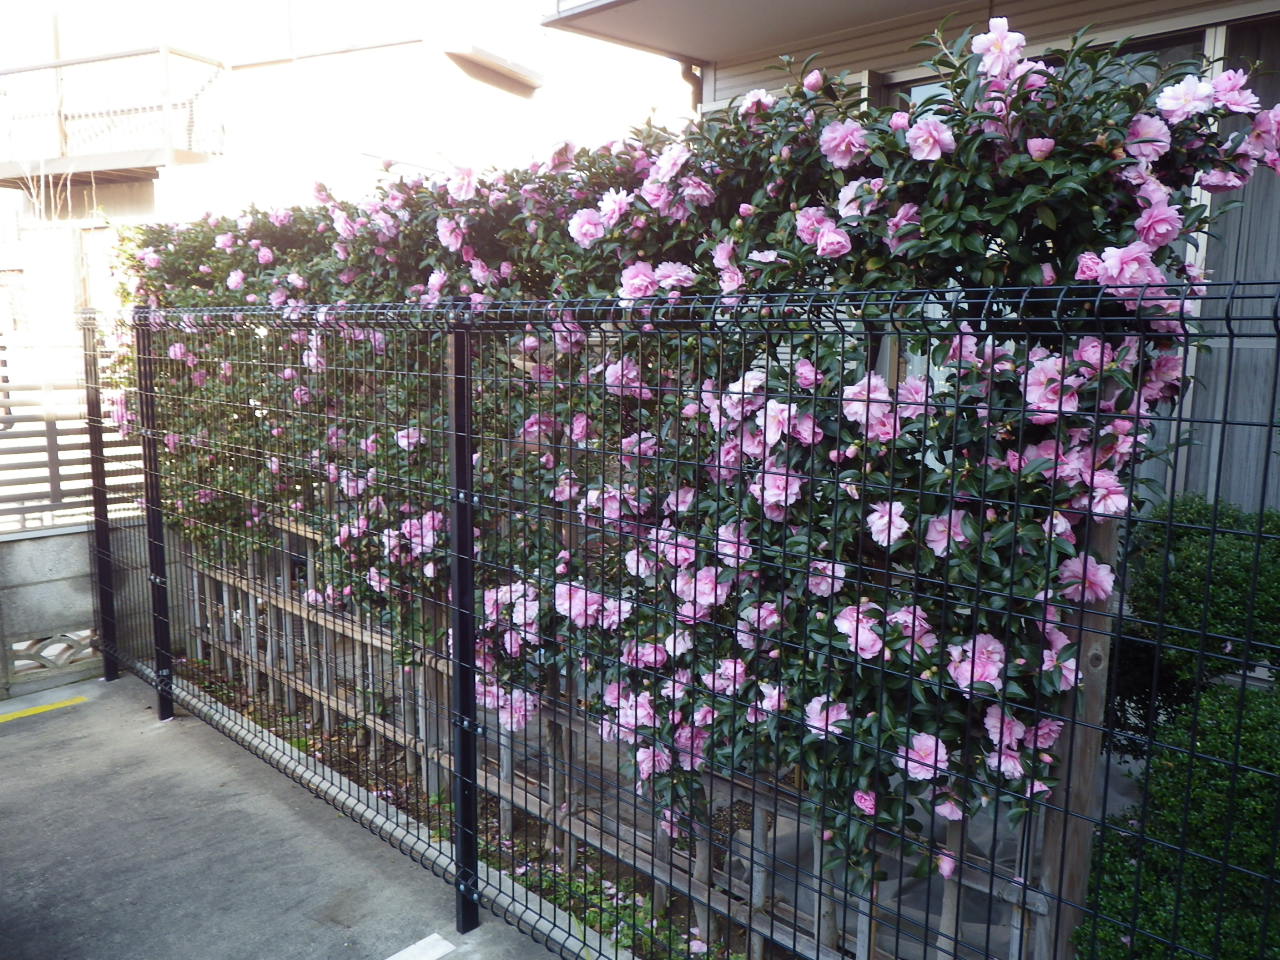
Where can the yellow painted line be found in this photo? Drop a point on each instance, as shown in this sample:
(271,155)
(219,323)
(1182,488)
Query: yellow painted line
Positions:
(32,711)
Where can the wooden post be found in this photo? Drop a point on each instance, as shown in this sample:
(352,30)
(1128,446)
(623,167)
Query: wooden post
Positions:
(949,924)
(759,871)
(1068,837)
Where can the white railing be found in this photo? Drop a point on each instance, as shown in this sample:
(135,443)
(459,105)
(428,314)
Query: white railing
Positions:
(157,98)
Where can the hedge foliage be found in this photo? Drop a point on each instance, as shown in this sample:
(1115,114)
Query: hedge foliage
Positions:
(1203,600)
(1197,866)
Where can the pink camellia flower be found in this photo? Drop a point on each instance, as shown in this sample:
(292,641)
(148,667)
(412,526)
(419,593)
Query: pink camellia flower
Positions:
(1148,138)
(378,580)
(900,120)
(644,655)
(1044,734)
(1084,578)
(925,759)
(1008,763)
(898,234)
(613,206)
(867,402)
(775,420)
(886,524)
(755,102)
(1000,48)
(586,227)
(1003,730)
(947,808)
(638,281)
(1050,275)
(821,715)
(913,622)
(810,222)
(672,274)
(582,606)
(776,488)
(724,253)
(825,577)
(1049,390)
(1039,148)
(981,661)
(947,863)
(730,279)
(858,625)
(859,196)
(929,138)
(1220,181)
(225,241)
(843,143)
(1131,264)
(773,700)
(408,438)
(833,242)
(265,256)
(704,587)
(806,374)
(516,709)
(1070,673)
(865,801)
(1181,100)
(944,530)
(622,378)
(727,677)
(1229,92)
(462,185)
(235,280)
(669,162)
(696,192)
(1089,266)
(732,544)
(814,80)
(450,233)
(691,744)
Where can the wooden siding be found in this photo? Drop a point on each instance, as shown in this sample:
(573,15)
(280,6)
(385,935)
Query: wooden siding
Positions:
(1239,462)
(886,46)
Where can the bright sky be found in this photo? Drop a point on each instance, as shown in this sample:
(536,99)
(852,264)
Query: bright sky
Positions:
(334,118)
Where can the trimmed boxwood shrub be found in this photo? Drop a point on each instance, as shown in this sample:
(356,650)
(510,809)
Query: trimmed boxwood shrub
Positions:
(1202,595)
(1219,798)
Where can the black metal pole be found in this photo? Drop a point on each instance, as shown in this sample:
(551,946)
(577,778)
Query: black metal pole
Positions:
(103,574)
(462,581)
(152,498)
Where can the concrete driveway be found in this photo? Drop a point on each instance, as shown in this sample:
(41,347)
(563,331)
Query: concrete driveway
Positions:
(122,838)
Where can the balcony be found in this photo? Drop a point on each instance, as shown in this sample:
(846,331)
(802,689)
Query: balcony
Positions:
(107,119)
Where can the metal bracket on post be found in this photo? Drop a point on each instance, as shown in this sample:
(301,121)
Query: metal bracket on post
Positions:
(103,566)
(154,509)
(462,582)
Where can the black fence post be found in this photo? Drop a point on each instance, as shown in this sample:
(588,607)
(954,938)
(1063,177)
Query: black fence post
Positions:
(103,573)
(153,508)
(462,582)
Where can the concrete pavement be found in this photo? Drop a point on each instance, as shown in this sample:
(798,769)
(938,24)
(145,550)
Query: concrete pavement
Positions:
(122,838)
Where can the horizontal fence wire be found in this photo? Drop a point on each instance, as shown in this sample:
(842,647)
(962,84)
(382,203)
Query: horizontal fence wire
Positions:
(870,624)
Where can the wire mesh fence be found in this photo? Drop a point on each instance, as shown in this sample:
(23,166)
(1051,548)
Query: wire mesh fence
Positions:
(916,624)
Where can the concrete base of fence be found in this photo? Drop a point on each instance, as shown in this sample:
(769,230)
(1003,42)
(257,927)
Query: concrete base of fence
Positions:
(501,894)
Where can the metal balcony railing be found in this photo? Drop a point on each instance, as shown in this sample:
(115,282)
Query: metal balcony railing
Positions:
(142,101)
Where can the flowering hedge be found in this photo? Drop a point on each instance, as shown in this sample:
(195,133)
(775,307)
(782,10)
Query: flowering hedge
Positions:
(916,658)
